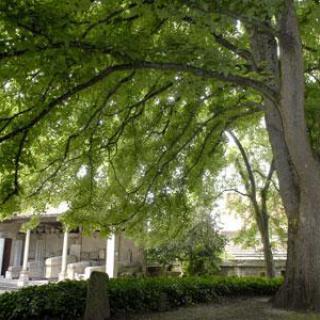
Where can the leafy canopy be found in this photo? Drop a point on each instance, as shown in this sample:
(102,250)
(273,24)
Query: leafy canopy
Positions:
(118,107)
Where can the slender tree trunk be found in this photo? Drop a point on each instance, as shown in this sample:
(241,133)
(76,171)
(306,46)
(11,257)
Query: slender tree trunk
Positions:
(267,248)
(268,256)
(262,219)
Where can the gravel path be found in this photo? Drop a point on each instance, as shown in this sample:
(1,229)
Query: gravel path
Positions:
(244,309)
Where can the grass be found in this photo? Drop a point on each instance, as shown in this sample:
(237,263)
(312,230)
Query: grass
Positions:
(240,309)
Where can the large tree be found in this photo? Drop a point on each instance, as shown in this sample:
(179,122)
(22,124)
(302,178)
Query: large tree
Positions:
(120,106)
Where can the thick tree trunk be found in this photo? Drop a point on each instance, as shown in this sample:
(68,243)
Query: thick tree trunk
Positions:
(301,289)
(302,284)
(297,168)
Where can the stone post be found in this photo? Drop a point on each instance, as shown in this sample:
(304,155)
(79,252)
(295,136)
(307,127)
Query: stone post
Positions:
(62,274)
(97,302)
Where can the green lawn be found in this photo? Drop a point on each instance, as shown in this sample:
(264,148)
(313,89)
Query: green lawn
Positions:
(245,309)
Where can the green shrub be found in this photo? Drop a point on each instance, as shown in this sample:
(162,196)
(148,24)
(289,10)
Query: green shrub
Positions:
(66,300)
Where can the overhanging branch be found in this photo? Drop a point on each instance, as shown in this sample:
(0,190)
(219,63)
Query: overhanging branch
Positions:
(175,67)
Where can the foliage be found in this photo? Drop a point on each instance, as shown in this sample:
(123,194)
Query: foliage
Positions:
(66,300)
(86,116)
(198,249)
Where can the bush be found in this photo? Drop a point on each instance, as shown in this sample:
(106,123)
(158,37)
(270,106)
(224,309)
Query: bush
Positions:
(66,300)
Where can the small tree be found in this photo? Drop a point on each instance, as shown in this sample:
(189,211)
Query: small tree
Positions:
(198,249)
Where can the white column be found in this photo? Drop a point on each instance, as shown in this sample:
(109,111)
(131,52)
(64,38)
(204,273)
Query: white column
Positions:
(26,251)
(110,256)
(2,241)
(24,274)
(62,274)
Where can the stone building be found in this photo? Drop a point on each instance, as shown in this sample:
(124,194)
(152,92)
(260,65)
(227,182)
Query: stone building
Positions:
(241,261)
(48,253)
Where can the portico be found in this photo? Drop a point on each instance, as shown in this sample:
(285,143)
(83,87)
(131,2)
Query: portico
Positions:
(51,252)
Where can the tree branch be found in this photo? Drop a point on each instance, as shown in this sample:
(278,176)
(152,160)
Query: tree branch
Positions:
(17,159)
(243,53)
(246,162)
(268,178)
(200,72)
(232,190)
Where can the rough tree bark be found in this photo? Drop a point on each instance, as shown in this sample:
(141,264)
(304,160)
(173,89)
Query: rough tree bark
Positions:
(302,285)
(297,168)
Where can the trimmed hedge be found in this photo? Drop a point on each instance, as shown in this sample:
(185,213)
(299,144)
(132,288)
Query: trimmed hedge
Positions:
(66,300)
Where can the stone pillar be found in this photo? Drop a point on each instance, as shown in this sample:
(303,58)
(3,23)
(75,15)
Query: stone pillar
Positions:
(110,256)
(62,274)
(2,240)
(24,274)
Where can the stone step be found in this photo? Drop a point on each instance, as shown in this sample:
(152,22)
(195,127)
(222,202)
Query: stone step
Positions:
(11,285)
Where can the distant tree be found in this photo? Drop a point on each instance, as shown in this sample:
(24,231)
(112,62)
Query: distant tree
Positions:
(198,249)
(258,202)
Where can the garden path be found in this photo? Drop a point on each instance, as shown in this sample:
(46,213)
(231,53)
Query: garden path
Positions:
(240,309)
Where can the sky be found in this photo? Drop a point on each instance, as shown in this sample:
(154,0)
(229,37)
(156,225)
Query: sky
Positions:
(230,223)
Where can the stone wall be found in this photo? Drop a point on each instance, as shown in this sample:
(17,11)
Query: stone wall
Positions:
(249,267)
